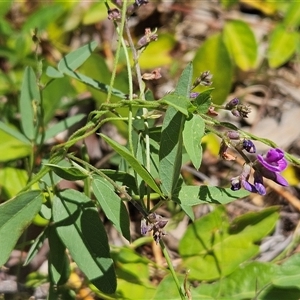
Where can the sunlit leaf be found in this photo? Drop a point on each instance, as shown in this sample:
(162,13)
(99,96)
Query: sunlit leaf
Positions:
(282,46)
(213,56)
(12,148)
(292,16)
(12,180)
(241,44)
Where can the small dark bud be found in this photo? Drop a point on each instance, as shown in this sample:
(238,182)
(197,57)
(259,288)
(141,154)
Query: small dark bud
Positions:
(114,14)
(233,135)
(232,104)
(204,79)
(249,146)
(147,38)
(235,112)
(194,95)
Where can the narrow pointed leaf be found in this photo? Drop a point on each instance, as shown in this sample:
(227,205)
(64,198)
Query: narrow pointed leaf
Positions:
(75,59)
(82,232)
(180,103)
(28,103)
(112,205)
(16,215)
(59,265)
(123,152)
(68,173)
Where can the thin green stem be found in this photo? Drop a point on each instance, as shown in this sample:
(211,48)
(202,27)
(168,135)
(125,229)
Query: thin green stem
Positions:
(118,50)
(170,265)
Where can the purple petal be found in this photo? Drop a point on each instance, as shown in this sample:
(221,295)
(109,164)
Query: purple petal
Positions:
(280,180)
(260,188)
(274,160)
(275,176)
(248,186)
(274,155)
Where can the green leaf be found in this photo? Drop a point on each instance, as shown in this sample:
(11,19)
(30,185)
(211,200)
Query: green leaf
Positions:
(13,180)
(68,173)
(123,177)
(288,273)
(180,103)
(194,195)
(183,87)
(203,101)
(241,44)
(36,246)
(256,225)
(123,152)
(192,134)
(53,94)
(53,73)
(14,133)
(282,46)
(81,230)
(213,56)
(112,205)
(61,126)
(292,16)
(16,215)
(75,59)
(167,288)
(12,148)
(29,102)
(43,16)
(59,265)
(96,84)
(244,283)
(210,252)
(170,151)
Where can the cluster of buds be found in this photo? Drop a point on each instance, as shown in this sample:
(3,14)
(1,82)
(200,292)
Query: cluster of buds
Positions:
(237,109)
(148,37)
(155,223)
(204,79)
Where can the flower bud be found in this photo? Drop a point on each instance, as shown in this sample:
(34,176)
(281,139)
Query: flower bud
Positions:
(249,146)
(233,135)
(232,104)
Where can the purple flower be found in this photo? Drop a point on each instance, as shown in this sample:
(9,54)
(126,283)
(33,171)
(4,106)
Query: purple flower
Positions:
(274,160)
(268,166)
